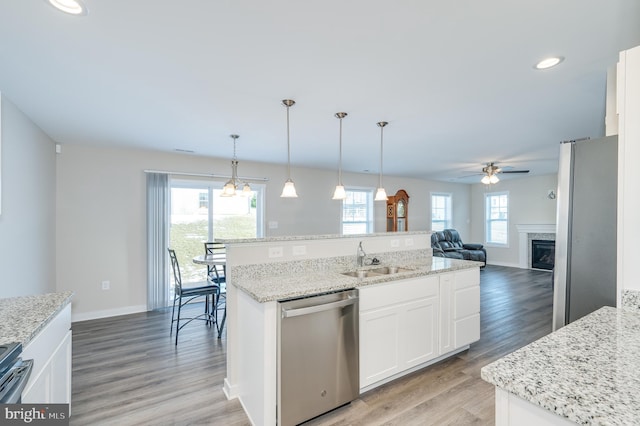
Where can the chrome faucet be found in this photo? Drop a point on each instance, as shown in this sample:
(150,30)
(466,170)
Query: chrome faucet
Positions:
(360,255)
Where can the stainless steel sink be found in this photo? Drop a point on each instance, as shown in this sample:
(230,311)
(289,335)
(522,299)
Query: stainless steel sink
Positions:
(361,274)
(386,270)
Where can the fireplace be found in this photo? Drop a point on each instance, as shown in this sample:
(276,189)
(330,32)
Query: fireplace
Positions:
(543,253)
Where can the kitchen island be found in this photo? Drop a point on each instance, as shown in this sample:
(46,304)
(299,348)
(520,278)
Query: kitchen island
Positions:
(587,372)
(426,311)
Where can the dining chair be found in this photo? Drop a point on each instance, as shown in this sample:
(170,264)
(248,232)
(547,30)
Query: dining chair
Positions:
(185,293)
(218,274)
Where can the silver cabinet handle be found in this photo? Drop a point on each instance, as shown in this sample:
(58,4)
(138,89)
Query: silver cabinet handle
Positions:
(288,313)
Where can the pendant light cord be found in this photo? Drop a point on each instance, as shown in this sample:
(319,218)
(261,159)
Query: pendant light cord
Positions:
(288,146)
(340,157)
(381,142)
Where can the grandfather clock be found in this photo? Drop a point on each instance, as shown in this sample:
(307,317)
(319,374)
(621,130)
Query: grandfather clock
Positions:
(398,212)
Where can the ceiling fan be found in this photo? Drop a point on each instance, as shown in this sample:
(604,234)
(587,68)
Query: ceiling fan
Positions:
(491,171)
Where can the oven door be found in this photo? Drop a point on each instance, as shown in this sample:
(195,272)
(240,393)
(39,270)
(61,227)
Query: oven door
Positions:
(14,380)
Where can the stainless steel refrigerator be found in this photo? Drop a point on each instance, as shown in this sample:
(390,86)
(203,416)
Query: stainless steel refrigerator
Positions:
(585,262)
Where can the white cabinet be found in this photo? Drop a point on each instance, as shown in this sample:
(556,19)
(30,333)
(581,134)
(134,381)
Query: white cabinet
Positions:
(406,324)
(460,309)
(50,349)
(398,327)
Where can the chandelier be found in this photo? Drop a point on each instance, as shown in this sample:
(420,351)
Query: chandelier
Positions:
(231,188)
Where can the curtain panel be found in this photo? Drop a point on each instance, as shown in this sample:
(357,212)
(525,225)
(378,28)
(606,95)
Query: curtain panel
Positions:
(157,240)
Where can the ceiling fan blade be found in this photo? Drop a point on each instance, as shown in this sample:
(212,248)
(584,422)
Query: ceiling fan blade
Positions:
(515,171)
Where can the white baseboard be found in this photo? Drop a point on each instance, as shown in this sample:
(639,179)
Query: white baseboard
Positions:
(108,313)
(510,265)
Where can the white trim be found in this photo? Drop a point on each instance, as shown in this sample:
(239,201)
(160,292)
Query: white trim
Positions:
(510,265)
(448,208)
(106,313)
(487,196)
(371,222)
(208,175)
(523,240)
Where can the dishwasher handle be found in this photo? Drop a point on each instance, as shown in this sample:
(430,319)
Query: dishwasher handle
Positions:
(288,313)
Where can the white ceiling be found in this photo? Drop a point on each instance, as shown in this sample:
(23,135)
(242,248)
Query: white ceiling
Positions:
(454,79)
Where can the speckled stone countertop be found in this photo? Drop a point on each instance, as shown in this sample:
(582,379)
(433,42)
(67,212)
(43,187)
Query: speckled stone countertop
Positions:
(587,371)
(21,318)
(307,282)
(315,237)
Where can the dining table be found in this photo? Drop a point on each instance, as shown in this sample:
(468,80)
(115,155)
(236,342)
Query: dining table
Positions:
(212,261)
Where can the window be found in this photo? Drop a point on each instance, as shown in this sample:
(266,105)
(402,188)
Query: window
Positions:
(440,211)
(497,218)
(357,212)
(199,214)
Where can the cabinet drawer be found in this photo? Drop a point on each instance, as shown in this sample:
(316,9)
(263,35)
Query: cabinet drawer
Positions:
(467,278)
(466,302)
(395,292)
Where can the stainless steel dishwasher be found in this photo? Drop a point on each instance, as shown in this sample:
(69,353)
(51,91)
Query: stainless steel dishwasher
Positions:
(318,356)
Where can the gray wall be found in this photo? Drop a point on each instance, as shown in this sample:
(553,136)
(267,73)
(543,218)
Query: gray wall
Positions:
(72,220)
(101,215)
(27,222)
(528,204)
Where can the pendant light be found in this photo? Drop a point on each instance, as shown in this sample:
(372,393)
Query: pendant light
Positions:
(289,190)
(381,194)
(340,193)
(230,188)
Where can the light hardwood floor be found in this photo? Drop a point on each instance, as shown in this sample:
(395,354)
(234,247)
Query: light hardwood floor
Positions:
(127,371)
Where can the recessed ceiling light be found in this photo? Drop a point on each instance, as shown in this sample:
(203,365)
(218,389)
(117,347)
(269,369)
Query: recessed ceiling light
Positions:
(548,62)
(72,7)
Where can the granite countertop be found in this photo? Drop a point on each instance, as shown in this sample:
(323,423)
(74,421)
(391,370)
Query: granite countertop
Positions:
(21,318)
(304,283)
(314,237)
(587,371)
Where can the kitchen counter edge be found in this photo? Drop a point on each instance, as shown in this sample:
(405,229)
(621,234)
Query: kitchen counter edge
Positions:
(21,318)
(304,284)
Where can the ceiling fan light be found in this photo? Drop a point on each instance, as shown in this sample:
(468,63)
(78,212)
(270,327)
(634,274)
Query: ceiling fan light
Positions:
(381,195)
(486,180)
(339,193)
(289,190)
(494,179)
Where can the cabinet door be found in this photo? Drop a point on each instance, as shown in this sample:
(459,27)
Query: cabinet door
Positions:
(61,372)
(420,332)
(379,344)
(39,391)
(467,330)
(446,314)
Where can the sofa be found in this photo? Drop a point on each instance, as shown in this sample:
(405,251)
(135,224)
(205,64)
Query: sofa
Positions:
(448,243)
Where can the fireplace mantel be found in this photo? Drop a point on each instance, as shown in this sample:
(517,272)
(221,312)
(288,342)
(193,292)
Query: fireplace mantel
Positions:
(524,231)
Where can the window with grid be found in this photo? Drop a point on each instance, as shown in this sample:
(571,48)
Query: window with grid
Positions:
(497,218)
(440,211)
(357,212)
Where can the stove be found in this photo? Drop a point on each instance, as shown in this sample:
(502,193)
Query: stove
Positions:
(14,373)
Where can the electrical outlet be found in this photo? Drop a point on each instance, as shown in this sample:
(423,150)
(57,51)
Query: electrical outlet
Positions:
(273,224)
(275,251)
(408,242)
(299,250)
(106,285)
